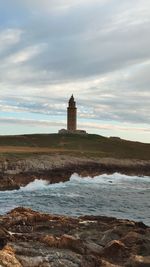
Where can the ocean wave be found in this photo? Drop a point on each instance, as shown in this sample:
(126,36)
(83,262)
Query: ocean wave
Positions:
(104,179)
(35,185)
(40,185)
(111,195)
(115,178)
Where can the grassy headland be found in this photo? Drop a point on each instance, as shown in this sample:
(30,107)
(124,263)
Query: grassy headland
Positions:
(90,145)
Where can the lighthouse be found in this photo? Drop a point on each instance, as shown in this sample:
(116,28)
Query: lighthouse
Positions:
(71,115)
(71,119)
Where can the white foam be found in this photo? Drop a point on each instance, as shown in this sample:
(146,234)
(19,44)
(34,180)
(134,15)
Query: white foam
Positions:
(40,185)
(100,179)
(35,185)
(120,180)
(104,179)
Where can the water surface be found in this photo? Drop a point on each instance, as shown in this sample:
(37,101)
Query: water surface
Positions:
(115,195)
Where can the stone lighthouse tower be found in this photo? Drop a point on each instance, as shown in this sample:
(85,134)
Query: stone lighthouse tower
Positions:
(71,115)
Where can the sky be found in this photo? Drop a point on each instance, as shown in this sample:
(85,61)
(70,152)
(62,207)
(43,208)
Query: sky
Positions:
(97,50)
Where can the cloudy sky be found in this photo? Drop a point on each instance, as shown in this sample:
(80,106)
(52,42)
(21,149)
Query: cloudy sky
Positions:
(99,50)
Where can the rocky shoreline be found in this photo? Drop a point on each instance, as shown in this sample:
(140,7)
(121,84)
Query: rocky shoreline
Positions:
(15,172)
(32,239)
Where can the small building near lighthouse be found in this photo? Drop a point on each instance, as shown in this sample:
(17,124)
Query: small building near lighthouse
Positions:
(72,119)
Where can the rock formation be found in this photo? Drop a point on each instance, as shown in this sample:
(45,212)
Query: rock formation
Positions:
(41,240)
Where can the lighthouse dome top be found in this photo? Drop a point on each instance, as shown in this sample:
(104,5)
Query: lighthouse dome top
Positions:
(71,100)
(72,97)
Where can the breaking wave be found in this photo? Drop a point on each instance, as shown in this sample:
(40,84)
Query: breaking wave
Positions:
(35,185)
(103,180)
(115,195)
(40,184)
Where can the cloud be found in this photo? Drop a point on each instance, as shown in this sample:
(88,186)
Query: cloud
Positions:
(98,50)
(62,124)
(25,55)
(92,40)
(31,122)
(8,39)
(114,127)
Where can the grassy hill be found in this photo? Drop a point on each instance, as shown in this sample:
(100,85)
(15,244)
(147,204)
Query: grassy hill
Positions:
(82,145)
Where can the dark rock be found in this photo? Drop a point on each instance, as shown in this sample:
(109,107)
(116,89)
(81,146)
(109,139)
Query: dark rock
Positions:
(4,235)
(115,251)
(91,261)
(141,225)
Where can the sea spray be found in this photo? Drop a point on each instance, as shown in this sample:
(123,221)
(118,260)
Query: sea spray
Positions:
(40,184)
(35,185)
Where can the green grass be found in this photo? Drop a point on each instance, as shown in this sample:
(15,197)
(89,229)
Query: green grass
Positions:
(80,145)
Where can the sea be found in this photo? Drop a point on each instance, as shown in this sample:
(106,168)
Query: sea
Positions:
(116,195)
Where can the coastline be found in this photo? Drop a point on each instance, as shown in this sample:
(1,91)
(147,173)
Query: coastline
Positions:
(31,239)
(16,172)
